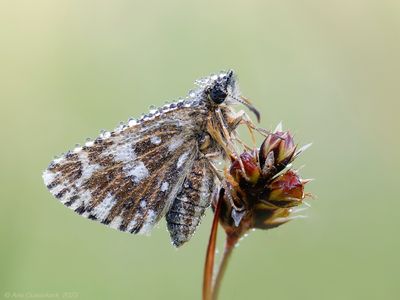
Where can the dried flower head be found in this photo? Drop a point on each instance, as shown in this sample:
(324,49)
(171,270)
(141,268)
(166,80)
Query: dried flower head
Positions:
(260,189)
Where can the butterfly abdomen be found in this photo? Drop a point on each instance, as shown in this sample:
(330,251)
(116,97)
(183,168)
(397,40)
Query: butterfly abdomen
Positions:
(188,207)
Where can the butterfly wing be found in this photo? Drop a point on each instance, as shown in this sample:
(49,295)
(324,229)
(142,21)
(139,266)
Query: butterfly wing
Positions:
(128,179)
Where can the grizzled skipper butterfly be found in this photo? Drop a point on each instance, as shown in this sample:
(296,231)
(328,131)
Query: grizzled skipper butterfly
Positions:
(159,165)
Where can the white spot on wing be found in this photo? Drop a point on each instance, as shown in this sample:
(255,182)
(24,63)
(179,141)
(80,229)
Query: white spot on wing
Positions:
(86,197)
(164,186)
(77,203)
(102,210)
(182,159)
(87,168)
(48,177)
(131,224)
(175,143)
(57,189)
(116,222)
(156,140)
(125,153)
(149,222)
(143,203)
(138,171)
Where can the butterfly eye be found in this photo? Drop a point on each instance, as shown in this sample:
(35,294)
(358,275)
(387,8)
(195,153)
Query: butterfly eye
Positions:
(217,94)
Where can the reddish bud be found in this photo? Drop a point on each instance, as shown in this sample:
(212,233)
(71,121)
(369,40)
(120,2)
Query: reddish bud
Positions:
(287,189)
(250,166)
(277,151)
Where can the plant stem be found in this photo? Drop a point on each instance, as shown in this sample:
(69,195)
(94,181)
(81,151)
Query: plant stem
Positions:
(230,243)
(210,256)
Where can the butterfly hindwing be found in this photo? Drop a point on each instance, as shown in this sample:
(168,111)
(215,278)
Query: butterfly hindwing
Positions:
(129,178)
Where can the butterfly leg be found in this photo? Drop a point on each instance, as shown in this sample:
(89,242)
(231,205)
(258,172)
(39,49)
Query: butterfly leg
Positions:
(228,138)
(241,117)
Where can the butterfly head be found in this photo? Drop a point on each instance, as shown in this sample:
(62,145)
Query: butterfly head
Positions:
(223,88)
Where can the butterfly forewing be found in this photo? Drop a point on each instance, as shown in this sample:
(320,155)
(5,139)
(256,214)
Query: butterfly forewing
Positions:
(129,178)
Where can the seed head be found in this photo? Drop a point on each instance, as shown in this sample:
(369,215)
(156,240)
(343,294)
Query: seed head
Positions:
(264,196)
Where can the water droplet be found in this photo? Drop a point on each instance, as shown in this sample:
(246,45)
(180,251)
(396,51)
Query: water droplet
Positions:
(132,122)
(89,142)
(77,149)
(106,135)
(192,94)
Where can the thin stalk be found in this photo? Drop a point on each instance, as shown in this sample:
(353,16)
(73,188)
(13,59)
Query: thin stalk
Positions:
(230,243)
(210,255)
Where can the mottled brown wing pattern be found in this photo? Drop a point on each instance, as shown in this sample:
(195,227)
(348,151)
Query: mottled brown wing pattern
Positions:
(191,202)
(129,178)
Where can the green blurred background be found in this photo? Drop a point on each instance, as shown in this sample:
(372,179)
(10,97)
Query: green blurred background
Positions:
(328,69)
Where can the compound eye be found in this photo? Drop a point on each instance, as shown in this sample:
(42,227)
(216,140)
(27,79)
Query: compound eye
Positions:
(217,94)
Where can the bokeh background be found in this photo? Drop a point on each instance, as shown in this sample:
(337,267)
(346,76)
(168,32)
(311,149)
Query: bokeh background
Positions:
(328,69)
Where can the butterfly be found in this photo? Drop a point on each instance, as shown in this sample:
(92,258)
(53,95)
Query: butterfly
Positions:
(161,165)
